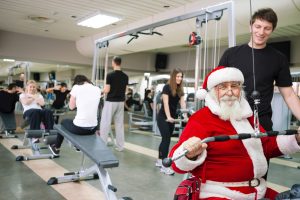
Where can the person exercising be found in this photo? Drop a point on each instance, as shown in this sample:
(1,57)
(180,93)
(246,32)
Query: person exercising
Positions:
(85,97)
(233,169)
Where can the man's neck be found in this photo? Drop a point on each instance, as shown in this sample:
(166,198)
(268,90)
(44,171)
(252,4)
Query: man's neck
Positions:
(117,68)
(254,46)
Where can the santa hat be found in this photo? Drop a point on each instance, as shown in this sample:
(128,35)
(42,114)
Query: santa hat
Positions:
(219,75)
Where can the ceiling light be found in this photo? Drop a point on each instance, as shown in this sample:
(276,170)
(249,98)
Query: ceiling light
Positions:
(8,60)
(98,21)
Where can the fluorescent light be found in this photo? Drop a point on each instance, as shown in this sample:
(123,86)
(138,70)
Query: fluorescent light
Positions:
(8,60)
(98,21)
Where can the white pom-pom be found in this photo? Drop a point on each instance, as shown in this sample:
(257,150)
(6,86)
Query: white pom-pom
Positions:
(201,94)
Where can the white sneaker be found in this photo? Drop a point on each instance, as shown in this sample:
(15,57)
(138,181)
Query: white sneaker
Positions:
(119,149)
(167,170)
(158,163)
(109,143)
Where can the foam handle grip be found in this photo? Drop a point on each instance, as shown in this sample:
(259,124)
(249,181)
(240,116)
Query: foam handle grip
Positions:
(244,136)
(291,132)
(272,133)
(221,138)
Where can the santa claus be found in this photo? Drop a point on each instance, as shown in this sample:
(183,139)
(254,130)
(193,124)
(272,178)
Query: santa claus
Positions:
(231,169)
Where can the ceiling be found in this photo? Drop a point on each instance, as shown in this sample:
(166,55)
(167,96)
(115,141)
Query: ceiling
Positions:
(57,19)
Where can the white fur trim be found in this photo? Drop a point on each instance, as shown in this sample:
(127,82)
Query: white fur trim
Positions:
(201,94)
(253,147)
(224,75)
(246,109)
(287,144)
(214,107)
(184,163)
(213,190)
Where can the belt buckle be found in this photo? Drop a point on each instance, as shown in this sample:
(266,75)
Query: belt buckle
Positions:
(254,182)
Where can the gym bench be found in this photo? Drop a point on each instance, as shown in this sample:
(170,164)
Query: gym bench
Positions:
(94,148)
(9,123)
(46,137)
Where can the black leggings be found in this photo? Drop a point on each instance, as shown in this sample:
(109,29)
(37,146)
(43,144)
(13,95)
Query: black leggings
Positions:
(70,126)
(36,116)
(166,130)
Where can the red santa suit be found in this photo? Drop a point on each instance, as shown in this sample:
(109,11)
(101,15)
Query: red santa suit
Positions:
(231,169)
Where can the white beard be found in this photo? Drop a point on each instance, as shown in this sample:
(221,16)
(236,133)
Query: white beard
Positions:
(230,111)
(230,107)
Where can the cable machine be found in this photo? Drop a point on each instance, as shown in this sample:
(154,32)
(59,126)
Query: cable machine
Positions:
(202,16)
(22,65)
(215,12)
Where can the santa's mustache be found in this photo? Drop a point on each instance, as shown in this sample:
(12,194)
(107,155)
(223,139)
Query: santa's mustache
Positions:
(228,98)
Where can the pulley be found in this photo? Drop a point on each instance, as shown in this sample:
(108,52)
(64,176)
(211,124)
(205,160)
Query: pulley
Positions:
(194,39)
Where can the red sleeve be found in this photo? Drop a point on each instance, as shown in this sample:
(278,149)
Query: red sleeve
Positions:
(192,128)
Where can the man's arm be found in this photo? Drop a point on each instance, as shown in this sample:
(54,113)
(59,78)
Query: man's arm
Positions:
(106,89)
(50,90)
(293,102)
(291,99)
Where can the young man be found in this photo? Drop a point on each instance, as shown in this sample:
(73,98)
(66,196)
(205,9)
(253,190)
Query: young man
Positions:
(114,88)
(9,98)
(61,92)
(269,66)
(231,169)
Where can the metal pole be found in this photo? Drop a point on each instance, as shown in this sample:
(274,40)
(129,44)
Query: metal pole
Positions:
(95,63)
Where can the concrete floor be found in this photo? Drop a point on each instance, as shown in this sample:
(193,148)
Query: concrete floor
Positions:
(136,176)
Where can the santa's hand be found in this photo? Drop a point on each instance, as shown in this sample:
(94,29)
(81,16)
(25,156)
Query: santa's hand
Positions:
(194,146)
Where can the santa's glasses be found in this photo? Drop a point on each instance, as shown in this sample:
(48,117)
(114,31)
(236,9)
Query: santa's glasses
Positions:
(229,86)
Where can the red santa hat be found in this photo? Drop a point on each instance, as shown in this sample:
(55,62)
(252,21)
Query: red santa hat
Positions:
(219,75)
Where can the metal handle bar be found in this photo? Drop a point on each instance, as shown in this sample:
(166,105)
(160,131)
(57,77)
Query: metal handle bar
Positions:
(167,162)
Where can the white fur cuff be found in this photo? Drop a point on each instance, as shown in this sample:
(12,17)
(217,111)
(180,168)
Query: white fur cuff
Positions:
(287,144)
(184,163)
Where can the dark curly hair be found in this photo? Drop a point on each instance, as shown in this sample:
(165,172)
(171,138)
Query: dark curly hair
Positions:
(266,14)
(80,80)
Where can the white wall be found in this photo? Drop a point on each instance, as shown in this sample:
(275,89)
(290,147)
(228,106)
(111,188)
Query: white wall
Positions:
(33,48)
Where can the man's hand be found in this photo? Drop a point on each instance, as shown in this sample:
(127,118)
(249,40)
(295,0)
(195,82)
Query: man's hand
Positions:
(194,146)
(298,136)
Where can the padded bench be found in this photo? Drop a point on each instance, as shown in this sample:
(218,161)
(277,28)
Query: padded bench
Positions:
(9,123)
(36,140)
(94,148)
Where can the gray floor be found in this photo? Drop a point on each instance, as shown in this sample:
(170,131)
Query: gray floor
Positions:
(136,176)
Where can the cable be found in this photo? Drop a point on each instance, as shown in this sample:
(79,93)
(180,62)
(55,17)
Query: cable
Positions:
(255,94)
(252,49)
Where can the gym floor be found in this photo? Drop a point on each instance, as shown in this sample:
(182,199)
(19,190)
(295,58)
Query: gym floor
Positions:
(136,177)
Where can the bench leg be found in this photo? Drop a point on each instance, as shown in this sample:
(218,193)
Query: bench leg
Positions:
(36,154)
(7,135)
(107,187)
(26,143)
(93,172)
(36,149)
